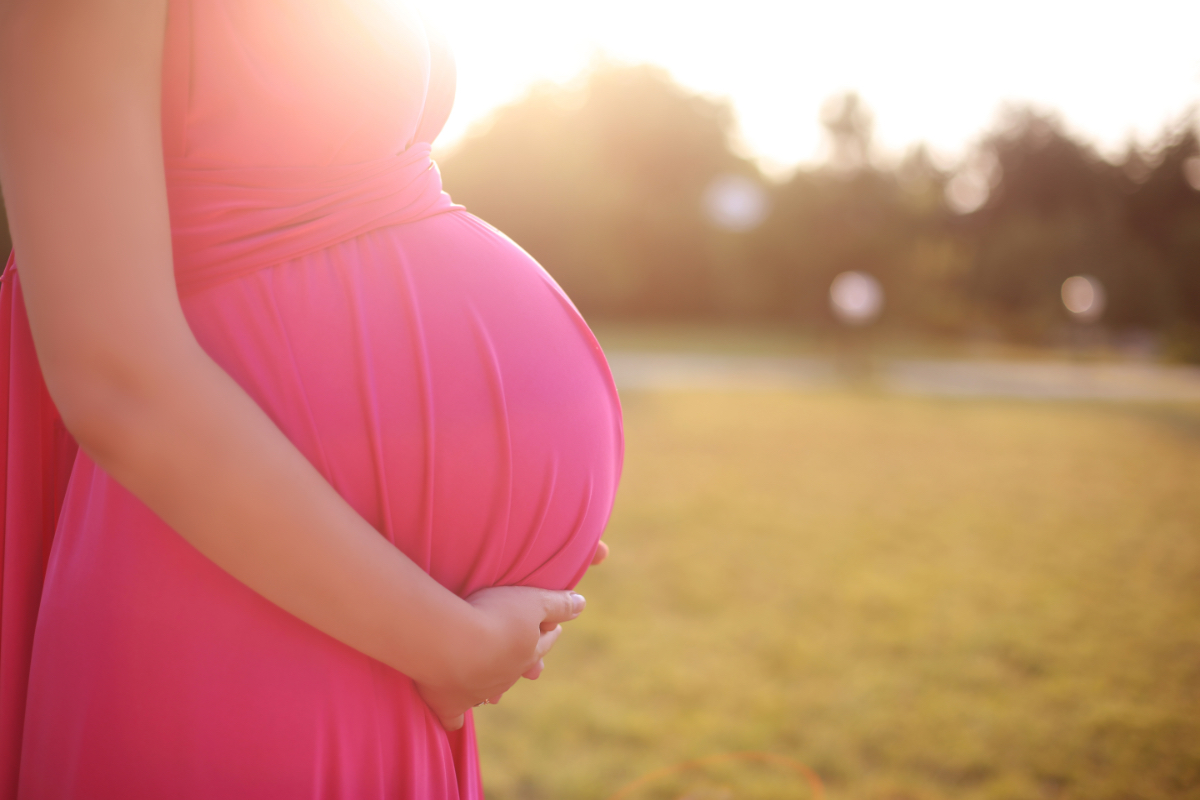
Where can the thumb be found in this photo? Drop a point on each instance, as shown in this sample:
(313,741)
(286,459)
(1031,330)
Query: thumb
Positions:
(561,607)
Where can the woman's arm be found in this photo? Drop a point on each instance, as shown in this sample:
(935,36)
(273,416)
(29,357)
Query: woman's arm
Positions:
(82,169)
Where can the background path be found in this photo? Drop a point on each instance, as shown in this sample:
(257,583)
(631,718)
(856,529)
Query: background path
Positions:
(1066,380)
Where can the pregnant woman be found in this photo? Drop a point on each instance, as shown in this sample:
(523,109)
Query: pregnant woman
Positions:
(342,447)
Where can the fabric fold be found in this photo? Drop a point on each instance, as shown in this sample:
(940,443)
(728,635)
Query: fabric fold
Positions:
(229,221)
(36,456)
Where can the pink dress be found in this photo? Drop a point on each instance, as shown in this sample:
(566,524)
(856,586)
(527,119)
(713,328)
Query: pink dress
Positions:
(429,368)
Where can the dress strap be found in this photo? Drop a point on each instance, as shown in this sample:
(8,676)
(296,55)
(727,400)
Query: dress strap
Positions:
(36,457)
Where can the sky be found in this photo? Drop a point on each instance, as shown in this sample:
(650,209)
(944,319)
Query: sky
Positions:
(933,71)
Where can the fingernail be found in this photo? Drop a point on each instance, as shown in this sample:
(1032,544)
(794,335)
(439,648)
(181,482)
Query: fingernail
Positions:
(577,602)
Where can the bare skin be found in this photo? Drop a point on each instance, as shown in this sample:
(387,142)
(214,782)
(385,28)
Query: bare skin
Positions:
(82,171)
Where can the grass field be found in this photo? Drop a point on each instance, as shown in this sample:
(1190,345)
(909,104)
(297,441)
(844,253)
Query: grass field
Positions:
(915,598)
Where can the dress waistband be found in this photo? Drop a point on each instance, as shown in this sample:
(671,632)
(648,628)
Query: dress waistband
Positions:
(229,221)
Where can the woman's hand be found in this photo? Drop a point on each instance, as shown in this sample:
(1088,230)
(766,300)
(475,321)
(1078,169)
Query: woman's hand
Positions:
(512,609)
(515,627)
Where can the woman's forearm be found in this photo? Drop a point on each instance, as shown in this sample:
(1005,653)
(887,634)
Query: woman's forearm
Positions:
(187,440)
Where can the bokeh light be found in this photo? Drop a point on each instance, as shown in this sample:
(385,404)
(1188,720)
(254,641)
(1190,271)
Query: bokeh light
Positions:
(1083,297)
(735,203)
(856,297)
(1191,171)
(966,192)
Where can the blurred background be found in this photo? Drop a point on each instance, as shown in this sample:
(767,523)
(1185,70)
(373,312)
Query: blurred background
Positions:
(903,303)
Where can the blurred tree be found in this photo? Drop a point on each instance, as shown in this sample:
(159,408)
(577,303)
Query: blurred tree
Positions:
(849,127)
(1058,210)
(1164,212)
(827,222)
(851,215)
(602,182)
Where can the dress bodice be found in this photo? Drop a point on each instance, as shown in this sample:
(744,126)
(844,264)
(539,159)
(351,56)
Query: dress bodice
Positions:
(291,125)
(298,83)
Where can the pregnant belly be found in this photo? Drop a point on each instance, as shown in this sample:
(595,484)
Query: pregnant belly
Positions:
(444,385)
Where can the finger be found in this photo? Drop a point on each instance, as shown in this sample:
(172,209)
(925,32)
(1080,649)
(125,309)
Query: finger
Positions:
(535,671)
(562,606)
(454,723)
(495,699)
(546,641)
(600,554)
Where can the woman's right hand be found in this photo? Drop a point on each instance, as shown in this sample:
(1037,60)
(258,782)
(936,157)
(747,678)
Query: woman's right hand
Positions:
(514,628)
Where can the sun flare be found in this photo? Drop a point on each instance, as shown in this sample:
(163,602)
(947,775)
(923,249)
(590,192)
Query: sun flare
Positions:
(930,70)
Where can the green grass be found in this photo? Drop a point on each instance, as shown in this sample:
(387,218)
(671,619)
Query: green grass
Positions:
(915,598)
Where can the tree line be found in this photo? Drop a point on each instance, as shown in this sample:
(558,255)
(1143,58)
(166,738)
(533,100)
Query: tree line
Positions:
(604,181)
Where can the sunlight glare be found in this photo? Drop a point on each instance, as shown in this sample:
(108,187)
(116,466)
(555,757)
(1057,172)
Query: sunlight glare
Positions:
(929,70)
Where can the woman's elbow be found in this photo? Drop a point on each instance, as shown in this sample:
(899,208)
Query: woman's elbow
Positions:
(101,405)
